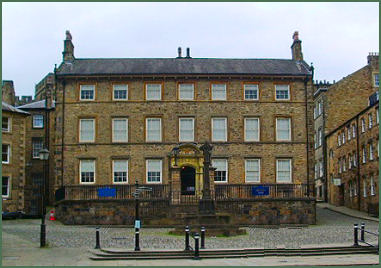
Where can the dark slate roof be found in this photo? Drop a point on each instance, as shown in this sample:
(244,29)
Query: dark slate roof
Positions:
(34,105)
(10,108)
(136,66)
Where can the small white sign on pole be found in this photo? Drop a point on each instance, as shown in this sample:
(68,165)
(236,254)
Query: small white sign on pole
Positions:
(337,181)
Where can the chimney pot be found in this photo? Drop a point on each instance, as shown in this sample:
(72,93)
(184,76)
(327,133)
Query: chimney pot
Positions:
(179,52)
(188,52)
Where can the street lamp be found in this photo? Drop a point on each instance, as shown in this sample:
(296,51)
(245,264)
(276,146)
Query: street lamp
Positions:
(175,152)
(44,155)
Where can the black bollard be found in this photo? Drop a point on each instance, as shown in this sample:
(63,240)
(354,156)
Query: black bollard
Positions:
(196,247)
(362,234)
(137,247)
(355,235)
(97,239)
(202,238)
(187,247)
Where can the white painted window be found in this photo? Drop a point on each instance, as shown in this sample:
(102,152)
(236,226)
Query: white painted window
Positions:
(354,159)
(221,173)
(316,170)
(344,164)
(153,129)
(252,129)
(339,139)
(251,91)
(315,111)
(364,188)
(363,154)
(252,170)
(120,171)
(370,120)
(372,188)
(282,92)
(186,129)
(120,92)
(186,91)
(354,131)
(120,130)
(377,117)
(38,121)
(6,153)
(320,137)
(316,141)
(87,92)
(321,169)
(370,151)
(5,189)
(37,146)
(154,170)
(349,133)
(376,80)
(320,107)
(218,91)
(153,91)
(283,170)
(343,136)
(283,129)
(6,124)
(219,129)
(87,171)
(87,130)
(362,125)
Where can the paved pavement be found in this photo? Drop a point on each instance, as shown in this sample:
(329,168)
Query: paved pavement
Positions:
(347,211)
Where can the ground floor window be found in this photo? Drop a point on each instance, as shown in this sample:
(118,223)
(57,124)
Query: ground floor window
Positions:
(221,173)
(120,171)
(37,145)
(5,187)
(87,171)
(283,170)
(154,170)
(252,170)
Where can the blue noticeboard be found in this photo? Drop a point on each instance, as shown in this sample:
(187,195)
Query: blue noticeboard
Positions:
(260,190)
(106,192)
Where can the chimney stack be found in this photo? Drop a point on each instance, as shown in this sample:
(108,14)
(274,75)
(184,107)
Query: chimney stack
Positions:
(68,53)
(296,47)
(179,52)
(188,53)
(373,59)
(8,92)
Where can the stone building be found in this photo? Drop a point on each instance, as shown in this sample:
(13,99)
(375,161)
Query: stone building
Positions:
(353,160)
(122,120)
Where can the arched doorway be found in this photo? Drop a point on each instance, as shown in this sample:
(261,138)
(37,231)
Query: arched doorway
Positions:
(188,180)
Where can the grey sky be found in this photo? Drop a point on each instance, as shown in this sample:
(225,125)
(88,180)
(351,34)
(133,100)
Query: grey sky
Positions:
(336,37)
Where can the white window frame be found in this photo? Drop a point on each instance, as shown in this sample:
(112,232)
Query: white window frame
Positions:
(80,129)
(321,169)
(113,129)
(350,161)
(377,116)
(113,170)
(343,137)
(160,128)
(362,125)
(371,156)
(160,93)
(376,82)
(372,188)
(213,97)
(320,107)
(113,92)
(33,140)
(364,154)
(161,171)
(349,133)
(80,92)
(182,139)
(344,160)
(277,170)
(354,130)
(288,92)
(259,170)
(339,139)
(33,119)
(289,129)
(364,188)
(8,154)
(354,159)
(8,195)
(80,171)
(244,91)
(320,137)
(226,130)
(9,125)
(179,91)
(226,167)
(258,132)
(370,121)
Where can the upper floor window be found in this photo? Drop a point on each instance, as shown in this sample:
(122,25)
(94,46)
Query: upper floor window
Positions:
(37,146)
(6,152)
(251,129)
(349,161)
(120,130)
(5,187)
(251,91)
(363,155)
(377,117)
(339,139)
(186,129)
(186,91)
(370,151)
(343,136)
(218,91)
(376,80)
(153,129)
(120,171)
(219,129)
(6,124)
(86,130)
(252,170)
(362,125)
(315,111)
(370,119)
(154,170)
(283,129)
(87,92)
(283,170)
(320,137)
(320,107)
(354,159)
(354,131)
(38,121)
(120,92)
(349,132)
(153,92)
(221,173)
(87,171)
(372,188)
(282,92)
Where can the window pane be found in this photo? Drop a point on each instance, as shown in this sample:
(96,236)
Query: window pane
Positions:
(120,170)
(153,91)
(120,92)
(37,145)
(5,187)
(87,130)
(5,124)
(186,91)
(120,129)
(218,92)
(87,92)
(219,129)
(5,153)
(252,129)
(252,170)
(153,129)
(282,92)
(283,129)
(251,91)
(38,120)
(87,170)
(221,169)
(284,170)
(186,129)
(154,170)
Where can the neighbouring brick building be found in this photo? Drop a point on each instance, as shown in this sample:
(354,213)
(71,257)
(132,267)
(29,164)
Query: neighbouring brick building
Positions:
(121,120)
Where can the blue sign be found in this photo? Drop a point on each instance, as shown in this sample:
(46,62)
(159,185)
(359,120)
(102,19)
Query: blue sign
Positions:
(137,224)
(260,190)
(106,192)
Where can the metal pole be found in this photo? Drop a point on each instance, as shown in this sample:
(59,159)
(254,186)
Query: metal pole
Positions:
(355,235)
(196,247)
(202,238)
(137,247)
(362,234)
(97,239)
(43,208)
(187,247)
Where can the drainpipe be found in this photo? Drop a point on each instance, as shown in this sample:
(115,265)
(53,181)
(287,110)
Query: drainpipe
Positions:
(358,163)
(307,133)
(62,134)
(325,166)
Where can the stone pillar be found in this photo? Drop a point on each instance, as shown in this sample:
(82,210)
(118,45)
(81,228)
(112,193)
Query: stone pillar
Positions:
(176,185)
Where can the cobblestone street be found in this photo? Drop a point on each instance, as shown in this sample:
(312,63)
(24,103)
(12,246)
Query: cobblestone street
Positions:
(331,228)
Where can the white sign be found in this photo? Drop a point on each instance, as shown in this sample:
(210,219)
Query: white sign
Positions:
(337,181)
(137,224)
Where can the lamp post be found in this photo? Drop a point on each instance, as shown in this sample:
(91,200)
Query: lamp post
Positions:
(44,156)
(175,152)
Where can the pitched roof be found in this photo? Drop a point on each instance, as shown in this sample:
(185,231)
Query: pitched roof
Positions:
(10,108)
(136,66)
(35,105)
